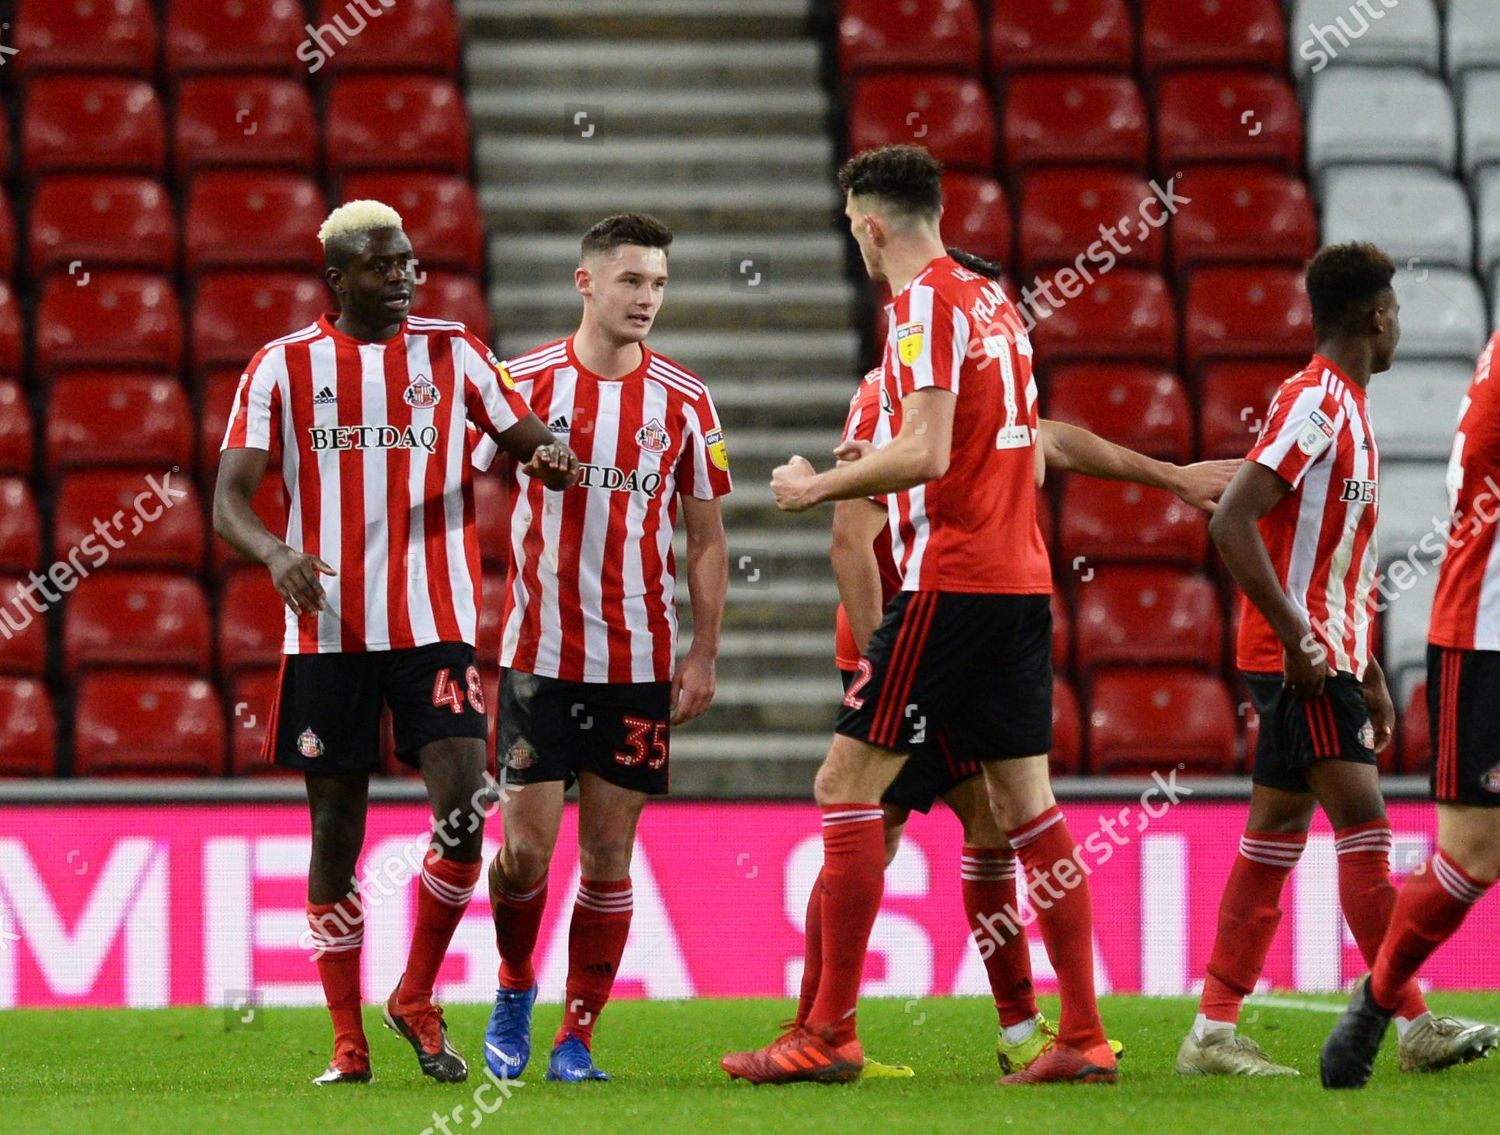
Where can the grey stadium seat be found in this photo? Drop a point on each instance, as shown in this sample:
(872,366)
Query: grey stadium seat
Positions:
(1481,123)
(1442,314)
(1381,114)
(1413,497)
(1415,214)
(1406,613)
(1414,407)
(1473,35)
(1489,220)
(1332,32)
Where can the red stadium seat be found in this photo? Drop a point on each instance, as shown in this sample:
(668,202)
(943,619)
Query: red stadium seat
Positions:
(439,212)
(413,35)
(281,210)
(10,331)
(85,35)
(1127,314)
(103,222)
(453,295)
(7,218)
(396,122)
(1241,214)
(1135,406)
(1233,403)
(1093,34)
(950,116)
(1066,757)
(235,314)
(218,386)
(976,216)
(908,35)
(247,35)
(134,723)
(491,606)
(251,695)
(1115,522)
(244,120)
(132,507)
(20,528)
(489,516)
(28,731)
(15,429)
(1062,634)
(23,630)
(1141,720)
(134,618)
(252,621)
(1213,33)
(1415,740)
(1066,211)
(99,418)
(269,504)
(1074,117)
(1246,313)
(1227,116)
(92,124)
(1148,616)
(118,319)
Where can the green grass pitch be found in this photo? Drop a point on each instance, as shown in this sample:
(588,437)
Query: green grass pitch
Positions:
(182,1070)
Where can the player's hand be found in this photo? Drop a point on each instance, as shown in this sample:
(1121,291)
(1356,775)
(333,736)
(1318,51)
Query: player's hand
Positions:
(1305,668)
(693,686)
(295,574)
(850,451)
(1203,483)
(1378,702)
(791,485)
(554,465)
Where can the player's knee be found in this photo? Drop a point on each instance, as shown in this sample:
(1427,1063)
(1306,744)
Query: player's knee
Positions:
(337,834)
(523,862)
(605,857)
(832,785)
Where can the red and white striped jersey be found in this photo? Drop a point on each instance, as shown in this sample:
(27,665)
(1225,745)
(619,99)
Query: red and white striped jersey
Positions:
(590,593)
(1321,535)
(376,461)
(1466,609)
(974,529)
(866,422)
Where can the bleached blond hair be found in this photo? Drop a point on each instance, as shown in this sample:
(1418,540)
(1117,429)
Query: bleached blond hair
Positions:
(354,218)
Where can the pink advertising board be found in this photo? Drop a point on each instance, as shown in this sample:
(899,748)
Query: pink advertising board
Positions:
(203,904)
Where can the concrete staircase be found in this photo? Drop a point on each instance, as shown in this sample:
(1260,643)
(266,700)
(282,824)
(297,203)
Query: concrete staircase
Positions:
(711,115)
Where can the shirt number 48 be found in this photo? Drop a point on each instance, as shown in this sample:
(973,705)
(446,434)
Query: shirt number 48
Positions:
(643,734)
(447,691)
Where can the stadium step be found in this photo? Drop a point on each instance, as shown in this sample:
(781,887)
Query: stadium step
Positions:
(607,64)
(657,20)
(633,165)
(590,116)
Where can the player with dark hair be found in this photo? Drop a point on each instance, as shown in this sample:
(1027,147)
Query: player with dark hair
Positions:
(590,684)
(1463,690)
(379,569)
(1297,529)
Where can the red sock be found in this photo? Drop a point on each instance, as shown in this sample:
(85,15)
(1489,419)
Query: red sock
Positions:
(1429,910)
(447,887)
(1249,913)
(812,965)
(338,932)
(853,880)
(596,942)
(1065,914)
(989,889)
(518,919)
(1368,896)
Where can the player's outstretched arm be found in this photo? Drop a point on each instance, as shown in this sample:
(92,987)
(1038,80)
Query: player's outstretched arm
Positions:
(856,523)
(1076,450)
(294,574)
(694,679)
(539,453)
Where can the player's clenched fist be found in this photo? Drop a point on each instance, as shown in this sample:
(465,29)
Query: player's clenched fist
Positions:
(790,485)
(295,577)
(555,466)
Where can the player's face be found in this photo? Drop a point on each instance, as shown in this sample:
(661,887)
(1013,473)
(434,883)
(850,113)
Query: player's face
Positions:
(1388,313)
(376,285)
(866,229)
(623,290)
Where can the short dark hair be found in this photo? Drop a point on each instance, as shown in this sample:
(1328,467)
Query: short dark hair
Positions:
(1344,283)
(626,228)
(906,178)
(976,264)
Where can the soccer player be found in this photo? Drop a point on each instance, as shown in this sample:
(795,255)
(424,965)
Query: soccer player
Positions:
(868,579)
(966,646)
(1463,673)
(590,684)
(379,569)
(1297,529)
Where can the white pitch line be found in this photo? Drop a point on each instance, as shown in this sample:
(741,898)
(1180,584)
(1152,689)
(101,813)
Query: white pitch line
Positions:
(1272,1001)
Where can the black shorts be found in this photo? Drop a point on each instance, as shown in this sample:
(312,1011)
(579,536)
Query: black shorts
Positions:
(1463,706)
(326,717)
(553,730)
(978,667)
(1294,733)
(931,771)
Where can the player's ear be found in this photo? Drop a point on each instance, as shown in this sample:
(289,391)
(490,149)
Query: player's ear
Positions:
(335,278)
(583,282)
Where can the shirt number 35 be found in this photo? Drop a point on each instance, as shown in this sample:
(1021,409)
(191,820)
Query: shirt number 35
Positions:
(645,743)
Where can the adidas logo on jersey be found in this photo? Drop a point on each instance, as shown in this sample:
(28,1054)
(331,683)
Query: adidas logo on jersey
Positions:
(325,397)
(559,424)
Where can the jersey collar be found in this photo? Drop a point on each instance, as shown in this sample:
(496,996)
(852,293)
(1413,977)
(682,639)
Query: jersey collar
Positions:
(1359,393)
(584,371)
(326,322)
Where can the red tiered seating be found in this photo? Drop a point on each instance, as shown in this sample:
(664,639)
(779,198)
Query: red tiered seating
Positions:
(213,419)
(117,318)
(1127,314)
(7,218)
(1074,117)
(1246,313)
(456,296)
(1415,739)
(20,528)
(413,35)
(85,35)
(1240,214)
(248,35)
(244,120)
(1145,719)
(1063,210)
(1148,616)
(269,503)
(396,122)
(1066,757)
(10,331)
(235,314)
(439,212)
(252,621)
(491,606)
(15,429)
(132,618)
(23,635)
(489,517)
(251,696)
(173,540)
(1227,116)
(976,216)
(136,723)
(1062,633)
(102,221)
(908,34)
(94,124)
(282,210)
(101,418)
(1234,401)
(28,731)
(1213,33)
(1135,406)
(950,116)
(1095,34)
(1116,522)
